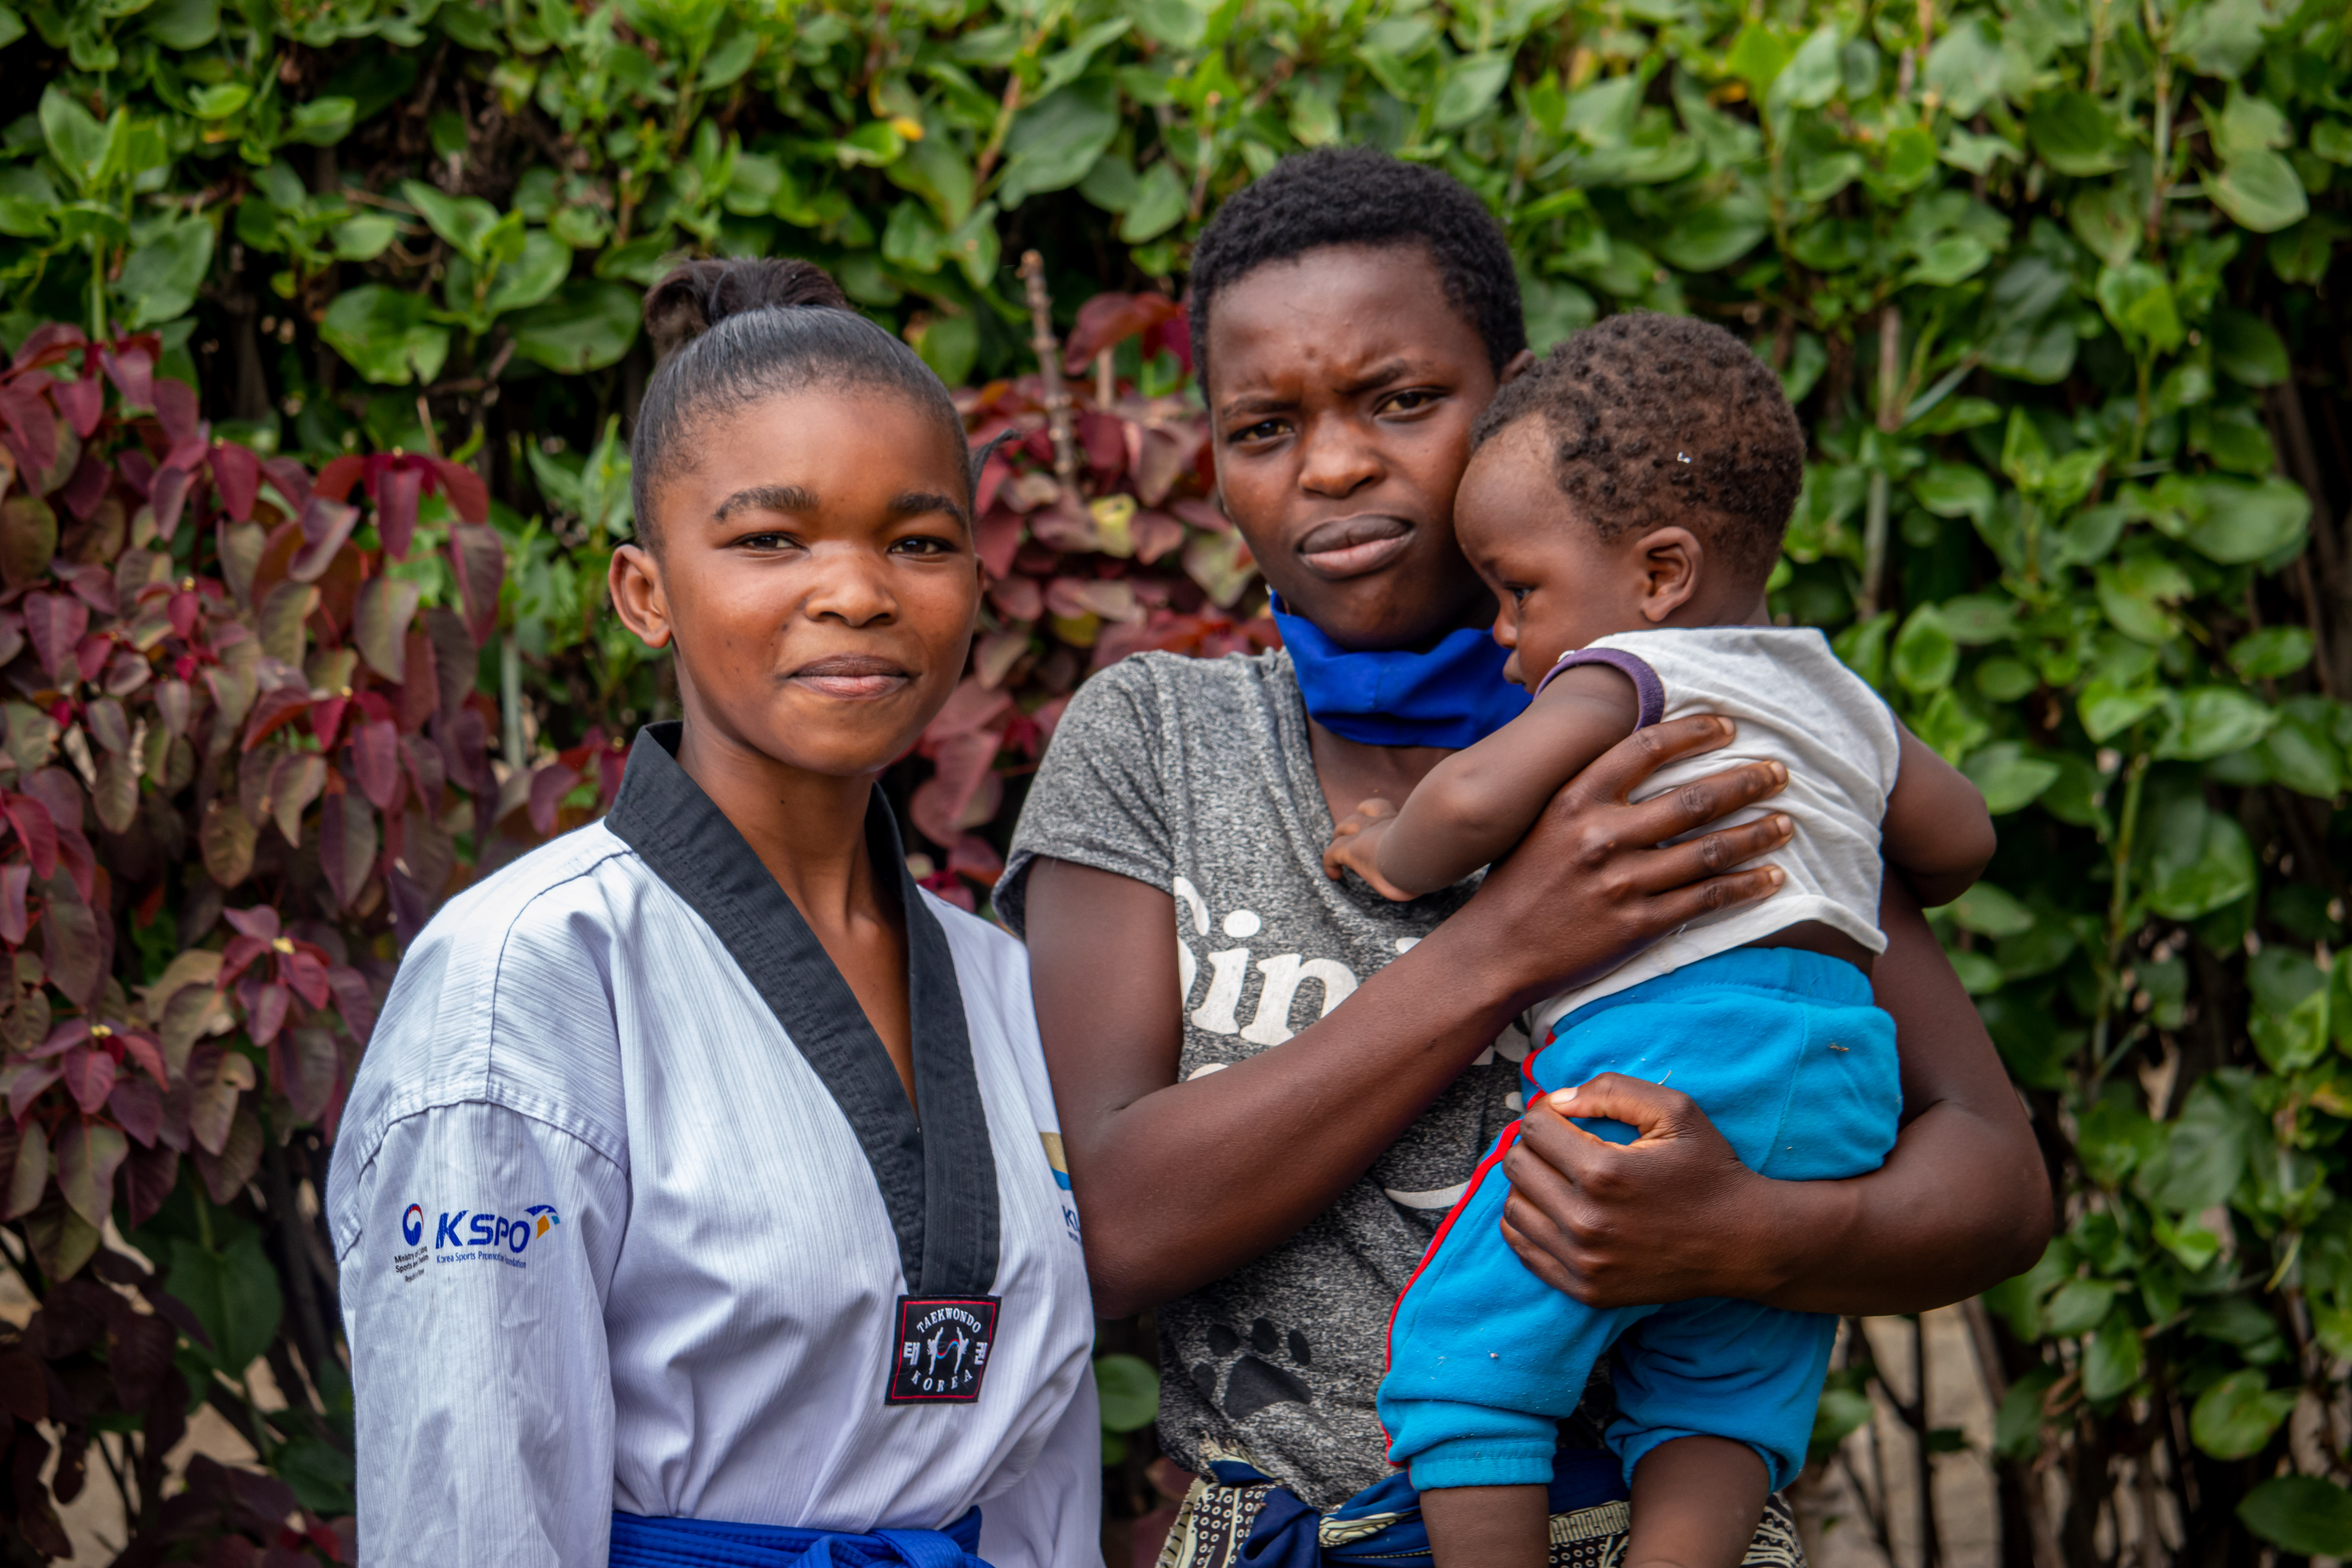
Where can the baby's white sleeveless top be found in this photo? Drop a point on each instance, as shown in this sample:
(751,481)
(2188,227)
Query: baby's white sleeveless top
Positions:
(1794,704)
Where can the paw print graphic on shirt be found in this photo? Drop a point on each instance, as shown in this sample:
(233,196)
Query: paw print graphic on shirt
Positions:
(1260,1372)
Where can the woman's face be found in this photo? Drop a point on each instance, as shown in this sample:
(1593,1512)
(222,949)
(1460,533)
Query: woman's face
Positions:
(1342,387)
(815,568)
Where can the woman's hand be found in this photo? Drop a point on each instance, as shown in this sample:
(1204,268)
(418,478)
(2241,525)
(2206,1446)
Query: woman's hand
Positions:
(1595,881)
(1675,1214)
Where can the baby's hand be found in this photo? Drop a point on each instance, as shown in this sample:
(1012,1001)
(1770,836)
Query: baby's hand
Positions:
(1355,847)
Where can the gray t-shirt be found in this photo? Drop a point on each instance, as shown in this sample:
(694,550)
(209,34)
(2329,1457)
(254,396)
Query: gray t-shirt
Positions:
(1195,775)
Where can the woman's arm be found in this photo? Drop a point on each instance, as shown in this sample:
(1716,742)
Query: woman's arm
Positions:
(1161,1218)
(1675,1214)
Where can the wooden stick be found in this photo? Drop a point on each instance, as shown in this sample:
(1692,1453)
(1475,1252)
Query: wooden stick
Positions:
(1049,367)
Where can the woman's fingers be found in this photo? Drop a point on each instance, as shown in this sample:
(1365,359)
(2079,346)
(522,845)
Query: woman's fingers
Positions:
(1620,1225)
(1618,772)
(1713,853)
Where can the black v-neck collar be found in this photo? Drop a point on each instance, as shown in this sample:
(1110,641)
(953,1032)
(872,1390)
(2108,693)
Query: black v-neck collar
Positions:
(937,1178)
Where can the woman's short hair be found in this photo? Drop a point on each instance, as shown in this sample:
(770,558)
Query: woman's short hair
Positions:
(1361,196)
(731,333)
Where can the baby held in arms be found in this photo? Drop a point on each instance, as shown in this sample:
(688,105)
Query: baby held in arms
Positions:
(1626,502)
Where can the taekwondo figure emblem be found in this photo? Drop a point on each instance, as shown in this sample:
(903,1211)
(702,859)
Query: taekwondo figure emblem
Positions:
(941,1349)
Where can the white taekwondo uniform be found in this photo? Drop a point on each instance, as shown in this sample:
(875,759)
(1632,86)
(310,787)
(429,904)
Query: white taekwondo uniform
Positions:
(628,1201)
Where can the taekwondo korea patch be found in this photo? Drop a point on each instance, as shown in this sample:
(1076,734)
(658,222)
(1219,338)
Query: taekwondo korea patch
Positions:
(941,1349)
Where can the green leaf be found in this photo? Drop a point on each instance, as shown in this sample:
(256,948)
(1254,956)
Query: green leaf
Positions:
(1813,73)
(76,140)
(183,25)
(2242,522)
(2010,777)
(387,334)
(2017,1428)
(2272,652)
(1468,85)
(1924,656)
(161,277)
(1714,237)
(2112,1362)
(1965,67)
(321,1474)
(2213,720)
(1949,261)
(2261,191)
(1987,911)
(1159,204)
(531,279)
(465,222)
(219,100)
(1052,145)
(235,1295)
(1178,24)
(2246,350)
(2306,1515)
(1129,1391)
(364,236)
(1757,57)
(949,344)
(2215,867)
(2079,1306)
(586,326)
(2204,1155)
(322,121)
(2138,300)
(2108,219)
(2072,131)
(1955,490)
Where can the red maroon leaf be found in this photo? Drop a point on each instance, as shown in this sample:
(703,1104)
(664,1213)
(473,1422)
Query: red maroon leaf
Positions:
(89,1076)
(36,830)
(27,1081)
(236,473)
(1155,534)
(354,1000)
(175,410)
(548,785)
(133,374)
(136,1104)
(1019,598)
(1107,320)
(56,623)
(396,509)
(310,1065)
(72,944)
(469,498)
(60,792)
(149,1177)
(291,480)
(275,708)
(139,1351)
(347,846)
(89,1154)
(1000,539)
(15,878)
(327,721)
(305,968)
(90,654)
(375,756)
(88,487)
(480,562)
(268,1015)
(336,480)
(143,1048)
(51,342)
(325,524)
(23,1385)
(82,402)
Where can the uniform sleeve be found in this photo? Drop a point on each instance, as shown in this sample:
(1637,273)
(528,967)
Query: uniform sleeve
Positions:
(473,1289)
(1098,799)
(1052,1518)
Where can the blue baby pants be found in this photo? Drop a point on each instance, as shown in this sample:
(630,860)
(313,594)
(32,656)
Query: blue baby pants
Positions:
(1783,1050)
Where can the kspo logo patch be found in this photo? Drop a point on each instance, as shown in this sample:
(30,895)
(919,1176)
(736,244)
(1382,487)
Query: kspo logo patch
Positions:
(943,1349)
(464,1235)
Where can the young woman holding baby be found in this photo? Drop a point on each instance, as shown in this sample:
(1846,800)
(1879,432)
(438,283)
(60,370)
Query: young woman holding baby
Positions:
(1265,1162)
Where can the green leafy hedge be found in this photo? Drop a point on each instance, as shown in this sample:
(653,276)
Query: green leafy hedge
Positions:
(2057,284)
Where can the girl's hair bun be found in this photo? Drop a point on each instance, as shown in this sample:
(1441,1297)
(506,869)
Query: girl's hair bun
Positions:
(698,296)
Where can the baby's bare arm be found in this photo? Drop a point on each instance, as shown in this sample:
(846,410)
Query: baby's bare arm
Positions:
(1477,802)
(1938,832)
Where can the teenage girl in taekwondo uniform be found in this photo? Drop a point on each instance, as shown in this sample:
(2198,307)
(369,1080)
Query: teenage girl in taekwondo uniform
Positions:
(692,1204)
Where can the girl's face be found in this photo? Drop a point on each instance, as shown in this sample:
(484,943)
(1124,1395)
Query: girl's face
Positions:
(817,573)
(1342,387)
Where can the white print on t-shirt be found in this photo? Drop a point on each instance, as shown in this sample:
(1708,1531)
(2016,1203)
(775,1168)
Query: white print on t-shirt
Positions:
(1285,973)
(1229,970)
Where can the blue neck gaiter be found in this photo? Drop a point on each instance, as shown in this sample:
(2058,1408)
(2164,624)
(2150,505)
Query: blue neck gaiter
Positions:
(1453,694)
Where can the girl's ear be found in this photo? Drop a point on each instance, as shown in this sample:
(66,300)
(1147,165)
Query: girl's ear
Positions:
(634,580)
(1517,365)
(1670,560)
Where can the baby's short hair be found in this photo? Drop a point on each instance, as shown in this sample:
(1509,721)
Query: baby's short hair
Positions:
(1658,420)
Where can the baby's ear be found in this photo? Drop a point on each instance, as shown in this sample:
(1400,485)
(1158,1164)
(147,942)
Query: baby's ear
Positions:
(1672,559)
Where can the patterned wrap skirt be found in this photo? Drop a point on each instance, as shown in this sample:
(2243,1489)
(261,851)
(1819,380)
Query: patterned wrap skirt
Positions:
(1236,1518)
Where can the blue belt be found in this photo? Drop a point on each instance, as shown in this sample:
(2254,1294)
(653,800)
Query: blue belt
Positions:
(641,1542)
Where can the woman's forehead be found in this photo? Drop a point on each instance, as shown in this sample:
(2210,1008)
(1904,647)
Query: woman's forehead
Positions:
(1336,312)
